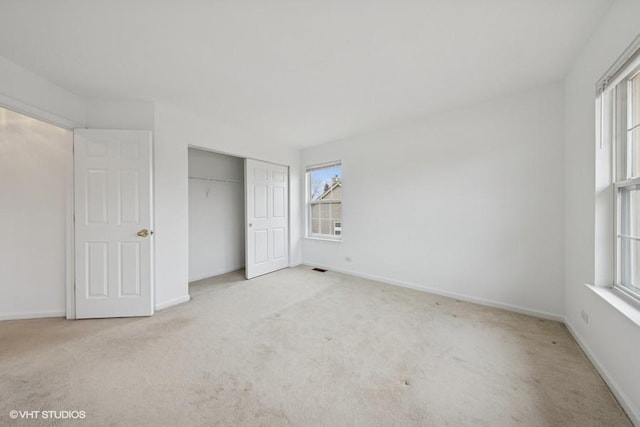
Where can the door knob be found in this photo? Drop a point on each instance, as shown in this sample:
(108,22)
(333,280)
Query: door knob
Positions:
(144,233)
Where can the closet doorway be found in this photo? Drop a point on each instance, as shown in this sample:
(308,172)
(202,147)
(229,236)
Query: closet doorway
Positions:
(216,215)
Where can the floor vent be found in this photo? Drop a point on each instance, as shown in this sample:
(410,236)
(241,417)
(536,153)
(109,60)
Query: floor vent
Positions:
(321,270)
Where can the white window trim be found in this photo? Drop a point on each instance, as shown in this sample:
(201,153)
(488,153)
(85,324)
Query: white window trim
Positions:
(323,239)
(627,306)
(619,129)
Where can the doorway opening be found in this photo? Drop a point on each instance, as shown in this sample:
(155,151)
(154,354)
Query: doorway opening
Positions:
(216,219)
(35,174)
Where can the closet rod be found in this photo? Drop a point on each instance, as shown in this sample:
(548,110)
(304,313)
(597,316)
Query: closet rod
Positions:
(232,181)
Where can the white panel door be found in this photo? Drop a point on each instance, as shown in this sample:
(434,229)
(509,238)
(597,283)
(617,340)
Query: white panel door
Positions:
(113,237)
(267,217)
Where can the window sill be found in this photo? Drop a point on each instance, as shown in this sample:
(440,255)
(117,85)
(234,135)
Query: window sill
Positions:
(323,239)
(623,305)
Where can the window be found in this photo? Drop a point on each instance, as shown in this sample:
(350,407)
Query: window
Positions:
(620,123)
(628,183)
(324,201)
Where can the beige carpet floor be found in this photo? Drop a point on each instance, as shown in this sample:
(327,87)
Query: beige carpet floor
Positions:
(303,348)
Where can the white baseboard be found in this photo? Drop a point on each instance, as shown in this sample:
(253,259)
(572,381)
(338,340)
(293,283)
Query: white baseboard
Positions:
(32,315)
(632,412)
(462,297)
(173,302)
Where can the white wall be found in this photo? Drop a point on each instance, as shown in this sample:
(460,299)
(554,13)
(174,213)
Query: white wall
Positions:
(35,167)
(175,131)
(216,214)
(466,203)
(129,115)
(611,340)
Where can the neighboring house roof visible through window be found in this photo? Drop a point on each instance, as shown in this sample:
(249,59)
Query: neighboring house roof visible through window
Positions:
(328,191)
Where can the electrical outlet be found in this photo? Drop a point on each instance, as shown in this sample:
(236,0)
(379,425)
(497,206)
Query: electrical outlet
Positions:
(585,316)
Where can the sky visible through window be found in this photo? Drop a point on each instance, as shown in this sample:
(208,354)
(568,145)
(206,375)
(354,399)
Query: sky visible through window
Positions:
(320,177)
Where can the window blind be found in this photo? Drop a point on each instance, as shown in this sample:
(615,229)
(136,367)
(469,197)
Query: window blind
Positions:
(323,166)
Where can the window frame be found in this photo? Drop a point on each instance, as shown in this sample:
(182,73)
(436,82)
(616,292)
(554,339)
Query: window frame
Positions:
(309,234)
(620,117)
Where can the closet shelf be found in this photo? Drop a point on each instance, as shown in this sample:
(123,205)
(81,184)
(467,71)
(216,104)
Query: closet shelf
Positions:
(231,181)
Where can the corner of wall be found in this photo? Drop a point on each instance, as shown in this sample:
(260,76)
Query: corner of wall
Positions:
(607,338)
(621,396)
(28,93)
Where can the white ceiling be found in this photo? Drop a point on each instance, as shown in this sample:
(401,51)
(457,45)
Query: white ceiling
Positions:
(301,72)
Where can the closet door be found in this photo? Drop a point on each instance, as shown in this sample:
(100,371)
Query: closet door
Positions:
(267,217)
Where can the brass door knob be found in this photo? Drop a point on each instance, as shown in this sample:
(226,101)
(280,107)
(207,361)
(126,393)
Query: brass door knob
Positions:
(144,233)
